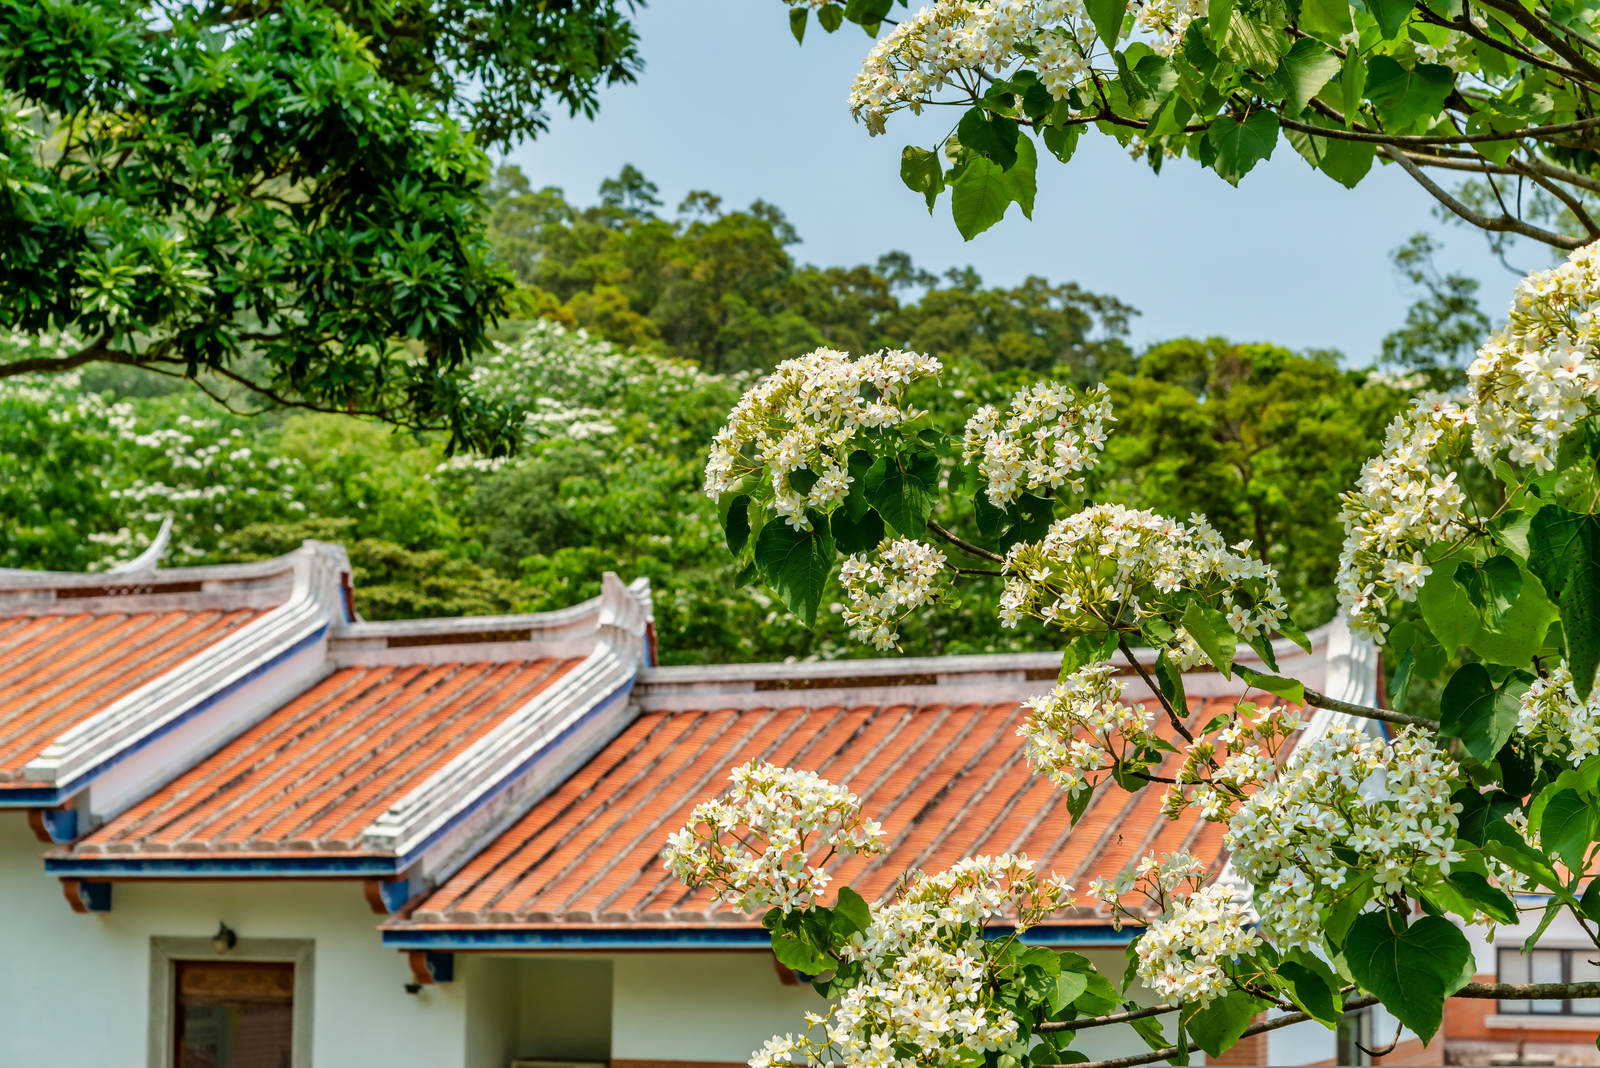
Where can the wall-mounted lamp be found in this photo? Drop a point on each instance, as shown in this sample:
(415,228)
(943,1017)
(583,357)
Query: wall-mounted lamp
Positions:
(224,939)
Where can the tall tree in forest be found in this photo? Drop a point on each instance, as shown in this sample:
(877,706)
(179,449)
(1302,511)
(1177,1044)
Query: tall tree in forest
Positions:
(280,201)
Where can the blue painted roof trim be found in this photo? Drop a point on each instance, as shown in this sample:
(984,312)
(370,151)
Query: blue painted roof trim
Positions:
(491,938)
(34,797)
(29,797)
(111,866)
(620,691)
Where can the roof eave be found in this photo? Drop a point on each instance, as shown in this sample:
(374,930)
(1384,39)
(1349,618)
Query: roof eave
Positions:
(681,937)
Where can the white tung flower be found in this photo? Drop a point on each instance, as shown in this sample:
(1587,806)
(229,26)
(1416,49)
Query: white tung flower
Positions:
(1111,562)
(1047,440)
(762,845)
(884,587)
(797,425)
(1073,730)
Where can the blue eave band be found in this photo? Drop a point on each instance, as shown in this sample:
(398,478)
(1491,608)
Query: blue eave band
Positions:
(35,796)
(490,938)
(30,797)
(109,867)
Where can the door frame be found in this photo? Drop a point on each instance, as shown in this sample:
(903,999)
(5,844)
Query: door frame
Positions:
(165,951)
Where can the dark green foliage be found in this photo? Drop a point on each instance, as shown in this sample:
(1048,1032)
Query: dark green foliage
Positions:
(1258,439)
(281,200)
(719,287)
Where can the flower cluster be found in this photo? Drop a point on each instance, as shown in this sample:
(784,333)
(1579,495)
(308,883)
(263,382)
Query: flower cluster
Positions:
(1553,718)
(948,38)
(1047,439)
(883,588)
(797,424)
(1535,379)
(1182,956)
(570,384)
(1196,929)
(925,990)
(1386,802)
(1082,727)
(758,846)
(1531,384)
(1111,564)
(1406,499)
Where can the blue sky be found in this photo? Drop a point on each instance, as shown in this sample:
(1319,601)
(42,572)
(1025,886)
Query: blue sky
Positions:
(728,102)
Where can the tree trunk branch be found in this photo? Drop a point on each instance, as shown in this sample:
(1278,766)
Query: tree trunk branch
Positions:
(1504,224)
(1405,719)
(1481,991)
(965,546)
(95,352)
(1172,714)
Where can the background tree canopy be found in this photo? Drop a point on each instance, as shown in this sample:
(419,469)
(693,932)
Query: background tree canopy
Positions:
(284,196)
(655,325)
(719,287)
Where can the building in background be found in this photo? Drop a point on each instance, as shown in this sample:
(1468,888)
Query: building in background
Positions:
(251,829)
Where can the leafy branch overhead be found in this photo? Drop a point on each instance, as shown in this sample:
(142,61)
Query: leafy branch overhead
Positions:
(1359,863)
(280,201)
(1496,89)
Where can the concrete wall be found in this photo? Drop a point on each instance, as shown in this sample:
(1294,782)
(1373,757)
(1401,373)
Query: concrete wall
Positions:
(565,1009)
(491,986)
(75,989)
(701,1006)
(718,1007)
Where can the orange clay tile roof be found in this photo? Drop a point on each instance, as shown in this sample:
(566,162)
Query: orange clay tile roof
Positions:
(313,774)
(946,782)
(58,670)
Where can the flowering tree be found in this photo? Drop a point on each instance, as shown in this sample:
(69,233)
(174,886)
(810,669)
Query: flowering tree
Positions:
(280,201)
(1362,856)
(1498,89)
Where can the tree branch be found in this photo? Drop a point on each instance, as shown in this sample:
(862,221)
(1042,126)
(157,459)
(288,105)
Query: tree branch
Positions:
(1481,991)
(1478,166)
(1541,32)
(1254,1029)
(1573,204)
(1405,719)
(1423,140)
(965,546)
(1050,1026)
(95,352)
(1172,715)
(1563,174)
(1504,224)
(1465,26)
(312,406)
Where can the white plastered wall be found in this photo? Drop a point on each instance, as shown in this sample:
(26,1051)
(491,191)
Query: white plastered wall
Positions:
(721,1006)
(75,988)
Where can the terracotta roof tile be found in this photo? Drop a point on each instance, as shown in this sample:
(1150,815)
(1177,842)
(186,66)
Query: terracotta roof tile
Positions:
(313,774)
(946,782)
(57,670)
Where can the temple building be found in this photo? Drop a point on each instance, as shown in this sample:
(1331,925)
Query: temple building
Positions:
(250,829)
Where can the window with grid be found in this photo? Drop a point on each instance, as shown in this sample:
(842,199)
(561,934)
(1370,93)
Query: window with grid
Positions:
(1550,966)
